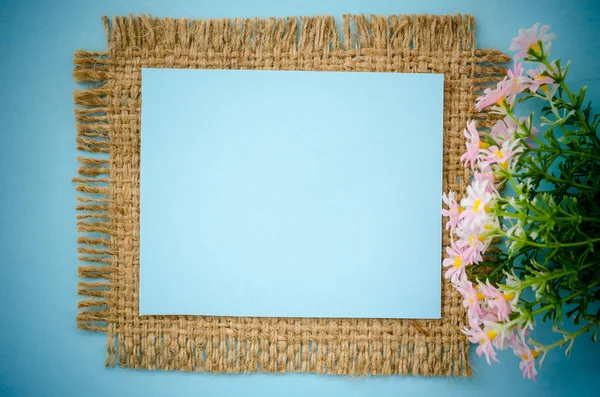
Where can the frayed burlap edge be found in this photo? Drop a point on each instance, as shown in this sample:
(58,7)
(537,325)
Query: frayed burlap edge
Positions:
(92,183)
(107,116)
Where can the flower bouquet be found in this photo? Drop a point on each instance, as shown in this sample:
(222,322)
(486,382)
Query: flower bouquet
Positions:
(526,233)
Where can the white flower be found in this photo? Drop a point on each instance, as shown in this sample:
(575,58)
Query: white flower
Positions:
(477,205)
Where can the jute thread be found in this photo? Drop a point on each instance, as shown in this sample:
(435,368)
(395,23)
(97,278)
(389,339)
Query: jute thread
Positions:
(108,134)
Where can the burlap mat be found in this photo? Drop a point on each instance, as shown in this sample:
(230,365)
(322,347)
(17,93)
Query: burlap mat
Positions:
(108,122)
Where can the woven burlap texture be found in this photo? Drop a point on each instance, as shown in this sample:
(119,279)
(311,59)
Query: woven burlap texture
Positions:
(108,134)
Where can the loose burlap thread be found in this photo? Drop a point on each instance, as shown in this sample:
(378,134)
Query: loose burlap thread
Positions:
(108,132)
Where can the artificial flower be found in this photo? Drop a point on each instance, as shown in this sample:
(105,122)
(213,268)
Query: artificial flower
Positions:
(502,155)
(484,338)
(476,204)
(516,79)
(537,80)
(473,145)
(497,301)
(485,174)
(522,350)
(528,39)
(472,298)
(528,216)
(452,212)
(474,245)
(455,262)
(500,96)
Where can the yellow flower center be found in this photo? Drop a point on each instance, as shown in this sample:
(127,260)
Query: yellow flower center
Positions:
(499,154)
(536,48)
(457,262)
(504,165)
(479,294)
(509,296)
(476,205)
(484,145)
(545,88)
(474,238)
(534,353)
(491,334)
(515,83)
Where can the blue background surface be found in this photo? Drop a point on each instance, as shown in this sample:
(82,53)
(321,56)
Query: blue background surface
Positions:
(41,351)
(271,205)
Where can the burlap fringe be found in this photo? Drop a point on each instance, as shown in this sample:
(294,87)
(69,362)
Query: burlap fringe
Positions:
(164,344)
(92,181)
(318,34)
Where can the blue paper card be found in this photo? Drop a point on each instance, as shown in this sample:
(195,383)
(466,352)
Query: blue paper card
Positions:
(291,194)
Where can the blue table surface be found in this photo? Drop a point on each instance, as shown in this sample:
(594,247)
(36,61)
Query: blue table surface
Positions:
(43,354)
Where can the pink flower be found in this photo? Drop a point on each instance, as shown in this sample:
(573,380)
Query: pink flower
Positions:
(476,204)
(521,349)
(473,145)
(500,132)
(472,297)
(516,79)
(485,174)
(511,129)
(455,262)
(505,91)
(527,365)
(537,80)
(452,212)
(484,338)
(487,223)
(528,39)
(474,246)
(497,301)
(502,155)
(501,96)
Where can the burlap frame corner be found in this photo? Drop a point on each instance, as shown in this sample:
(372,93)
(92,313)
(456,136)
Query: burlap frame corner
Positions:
(108,122)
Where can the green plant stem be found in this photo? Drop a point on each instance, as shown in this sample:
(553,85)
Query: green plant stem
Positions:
(506,262)
(562,342)
(552,178)
(548,307)
(566,182)
(573,295)
(562,153)
(513,183)
(545,219)
(558,245)
(577,109)
(559,274)
(518,123)
(556,114)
